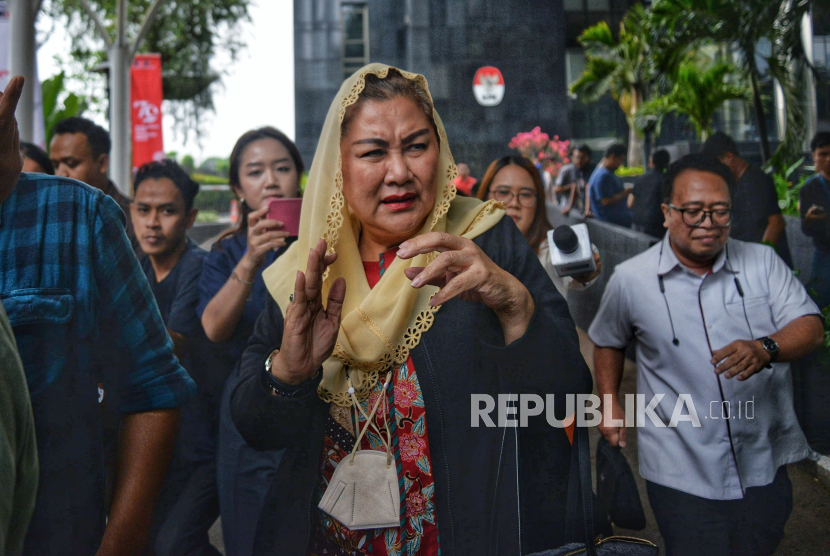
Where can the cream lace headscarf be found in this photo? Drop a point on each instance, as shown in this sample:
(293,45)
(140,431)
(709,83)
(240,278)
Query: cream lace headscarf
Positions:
(380,325)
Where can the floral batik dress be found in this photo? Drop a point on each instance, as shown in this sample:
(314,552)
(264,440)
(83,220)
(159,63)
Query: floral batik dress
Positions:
(405,412)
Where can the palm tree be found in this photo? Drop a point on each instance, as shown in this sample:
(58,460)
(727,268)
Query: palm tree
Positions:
(744,25)
(620,67)
(631,67)
(698,91)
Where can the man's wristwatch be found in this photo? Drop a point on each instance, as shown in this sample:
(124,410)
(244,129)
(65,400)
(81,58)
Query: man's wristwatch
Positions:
(771,347)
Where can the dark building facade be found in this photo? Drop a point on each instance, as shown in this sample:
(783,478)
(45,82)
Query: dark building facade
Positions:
(447,41)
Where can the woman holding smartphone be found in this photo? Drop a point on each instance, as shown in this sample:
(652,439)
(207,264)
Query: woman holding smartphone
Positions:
(264,164)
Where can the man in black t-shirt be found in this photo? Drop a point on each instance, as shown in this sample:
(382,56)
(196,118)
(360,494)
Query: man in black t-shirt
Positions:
(162,212)
(756,216)
(814,202)
(647,198)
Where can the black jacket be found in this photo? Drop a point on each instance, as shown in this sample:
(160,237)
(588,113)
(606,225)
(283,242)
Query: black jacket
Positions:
(463,353)
(814,193)
(648,196)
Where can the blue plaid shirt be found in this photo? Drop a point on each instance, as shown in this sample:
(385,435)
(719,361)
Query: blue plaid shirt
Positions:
(82,313)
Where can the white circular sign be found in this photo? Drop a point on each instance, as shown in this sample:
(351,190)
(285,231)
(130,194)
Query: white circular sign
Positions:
(488,86)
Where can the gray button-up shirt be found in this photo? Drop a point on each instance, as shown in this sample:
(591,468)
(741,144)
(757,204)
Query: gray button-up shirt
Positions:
(721,457)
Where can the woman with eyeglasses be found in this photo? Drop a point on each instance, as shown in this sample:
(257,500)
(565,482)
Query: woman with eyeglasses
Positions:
(515,181)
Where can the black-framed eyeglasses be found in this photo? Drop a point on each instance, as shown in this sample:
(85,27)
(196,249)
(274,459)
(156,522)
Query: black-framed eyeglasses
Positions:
(527,199)
(695,217)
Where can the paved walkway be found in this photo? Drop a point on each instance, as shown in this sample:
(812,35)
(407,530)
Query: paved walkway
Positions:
(807,531)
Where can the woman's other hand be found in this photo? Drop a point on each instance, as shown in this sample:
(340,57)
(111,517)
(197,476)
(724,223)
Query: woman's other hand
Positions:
(263,235)
(464,271)
(310,329)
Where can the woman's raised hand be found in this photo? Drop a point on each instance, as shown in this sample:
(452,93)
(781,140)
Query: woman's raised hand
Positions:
(263,235)
(310,329)
(11,160)
(464,271)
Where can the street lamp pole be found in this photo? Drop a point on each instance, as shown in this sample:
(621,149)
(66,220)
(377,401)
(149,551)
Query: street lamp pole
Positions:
(121,155)
(120,55)
(22,53)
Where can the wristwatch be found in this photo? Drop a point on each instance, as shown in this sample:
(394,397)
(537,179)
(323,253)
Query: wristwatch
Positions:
(771,347)
(278,387)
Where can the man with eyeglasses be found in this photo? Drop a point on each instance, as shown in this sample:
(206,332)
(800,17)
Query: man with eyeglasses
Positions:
(717,321)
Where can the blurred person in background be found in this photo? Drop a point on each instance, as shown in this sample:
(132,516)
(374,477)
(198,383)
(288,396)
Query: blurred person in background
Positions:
(572,179)
(515,181)
(80,149)
(814,204)
(35,159)
(465,183)
(78,291)
(646,199)
(162,213)
(482,331)
(756,214)
(264,164)
(608,196)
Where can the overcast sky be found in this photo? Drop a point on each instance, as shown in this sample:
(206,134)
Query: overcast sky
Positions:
(258,90)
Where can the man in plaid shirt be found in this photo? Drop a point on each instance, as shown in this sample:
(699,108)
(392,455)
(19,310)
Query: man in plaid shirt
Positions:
(83,313)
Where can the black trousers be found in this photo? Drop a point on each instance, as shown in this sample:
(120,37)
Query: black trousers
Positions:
(187,508)
(695,526)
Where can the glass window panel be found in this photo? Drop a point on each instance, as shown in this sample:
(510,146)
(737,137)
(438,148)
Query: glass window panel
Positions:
(820,51)
(354,50)
(599,5)
(353,22)
(573,5)
(574,64)
(351,67)
(355,37)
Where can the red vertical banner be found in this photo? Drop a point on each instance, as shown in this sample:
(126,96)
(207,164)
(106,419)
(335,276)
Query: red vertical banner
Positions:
(145,100)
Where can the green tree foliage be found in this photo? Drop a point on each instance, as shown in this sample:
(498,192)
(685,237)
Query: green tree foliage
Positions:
(58,104)
(698,91)
(630,67)
(744,25)
(188,34)
(188,163)
(216,166)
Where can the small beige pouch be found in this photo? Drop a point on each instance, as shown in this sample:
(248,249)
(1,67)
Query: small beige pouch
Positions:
(363,492)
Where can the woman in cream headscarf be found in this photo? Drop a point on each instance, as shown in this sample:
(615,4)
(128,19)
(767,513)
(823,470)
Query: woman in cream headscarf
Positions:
(412,278)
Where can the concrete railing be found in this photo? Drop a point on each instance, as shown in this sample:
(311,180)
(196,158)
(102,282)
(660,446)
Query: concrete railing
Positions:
(203,231)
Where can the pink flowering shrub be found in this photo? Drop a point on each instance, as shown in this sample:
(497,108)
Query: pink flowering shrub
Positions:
(548,154)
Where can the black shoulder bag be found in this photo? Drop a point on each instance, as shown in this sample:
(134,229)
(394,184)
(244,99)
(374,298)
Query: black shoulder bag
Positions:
(580,514)
(616,488)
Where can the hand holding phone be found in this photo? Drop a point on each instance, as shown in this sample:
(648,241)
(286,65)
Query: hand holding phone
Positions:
(286,211)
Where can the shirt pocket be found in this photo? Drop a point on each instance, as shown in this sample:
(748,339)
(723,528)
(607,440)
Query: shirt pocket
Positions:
(755,311)
(39,306)
(42,322)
